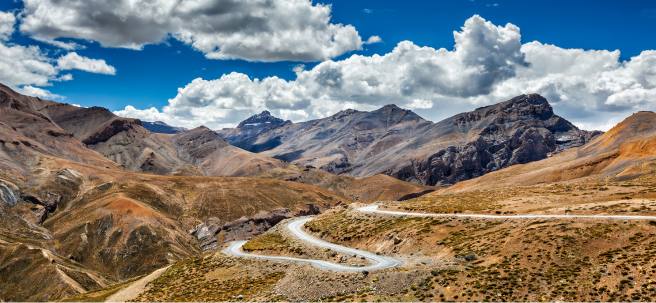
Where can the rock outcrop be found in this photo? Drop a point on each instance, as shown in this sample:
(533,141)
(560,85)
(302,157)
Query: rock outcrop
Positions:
(8,193)
(211,234)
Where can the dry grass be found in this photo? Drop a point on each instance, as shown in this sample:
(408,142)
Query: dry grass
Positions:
(214,278)
(268,241)
(100,295)
(518,260)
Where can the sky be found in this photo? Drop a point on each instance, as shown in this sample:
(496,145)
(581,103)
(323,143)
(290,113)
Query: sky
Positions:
(216,62)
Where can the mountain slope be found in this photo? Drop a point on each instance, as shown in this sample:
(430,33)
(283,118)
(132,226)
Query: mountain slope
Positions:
(580,247)
(206,150)
(339,143)
(26,134)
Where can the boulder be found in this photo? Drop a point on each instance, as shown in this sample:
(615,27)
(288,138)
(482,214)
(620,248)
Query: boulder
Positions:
(8,193)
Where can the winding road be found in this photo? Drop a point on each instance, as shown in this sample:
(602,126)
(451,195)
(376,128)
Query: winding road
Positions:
(295,228)
(377,262)
(374,209)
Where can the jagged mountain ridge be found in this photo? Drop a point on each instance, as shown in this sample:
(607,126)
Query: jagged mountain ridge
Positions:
(98,137)
(399,143)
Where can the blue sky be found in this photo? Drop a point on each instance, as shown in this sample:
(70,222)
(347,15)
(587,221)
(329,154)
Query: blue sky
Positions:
(151,76)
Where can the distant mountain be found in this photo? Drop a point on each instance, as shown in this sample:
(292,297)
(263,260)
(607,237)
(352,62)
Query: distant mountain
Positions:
(247,131)
(399,143)
(161,127)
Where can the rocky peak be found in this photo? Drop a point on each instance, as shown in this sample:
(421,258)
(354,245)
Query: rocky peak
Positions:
(534,99)
(11,99)
(201,131)
(395,114)
(529,108)
(344,114)
(261,120)
(245,134)
(389,107)
(532,105)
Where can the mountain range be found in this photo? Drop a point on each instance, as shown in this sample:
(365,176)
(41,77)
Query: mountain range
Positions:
(399,143)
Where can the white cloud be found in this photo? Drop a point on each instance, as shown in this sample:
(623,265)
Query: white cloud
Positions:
(24,65)
(297,69)
(24,68)
(7,22)
(253,30)
(419,104)
(74,61)
(488,64)
(64,77)
(39,92)
(374,39)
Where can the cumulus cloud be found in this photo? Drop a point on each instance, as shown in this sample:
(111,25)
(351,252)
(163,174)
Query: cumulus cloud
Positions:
(7,22)
(253,30)
(39,92)
(30,66)
(25,65)
(488,64)
(25,68)
(74,61)
(374,39)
